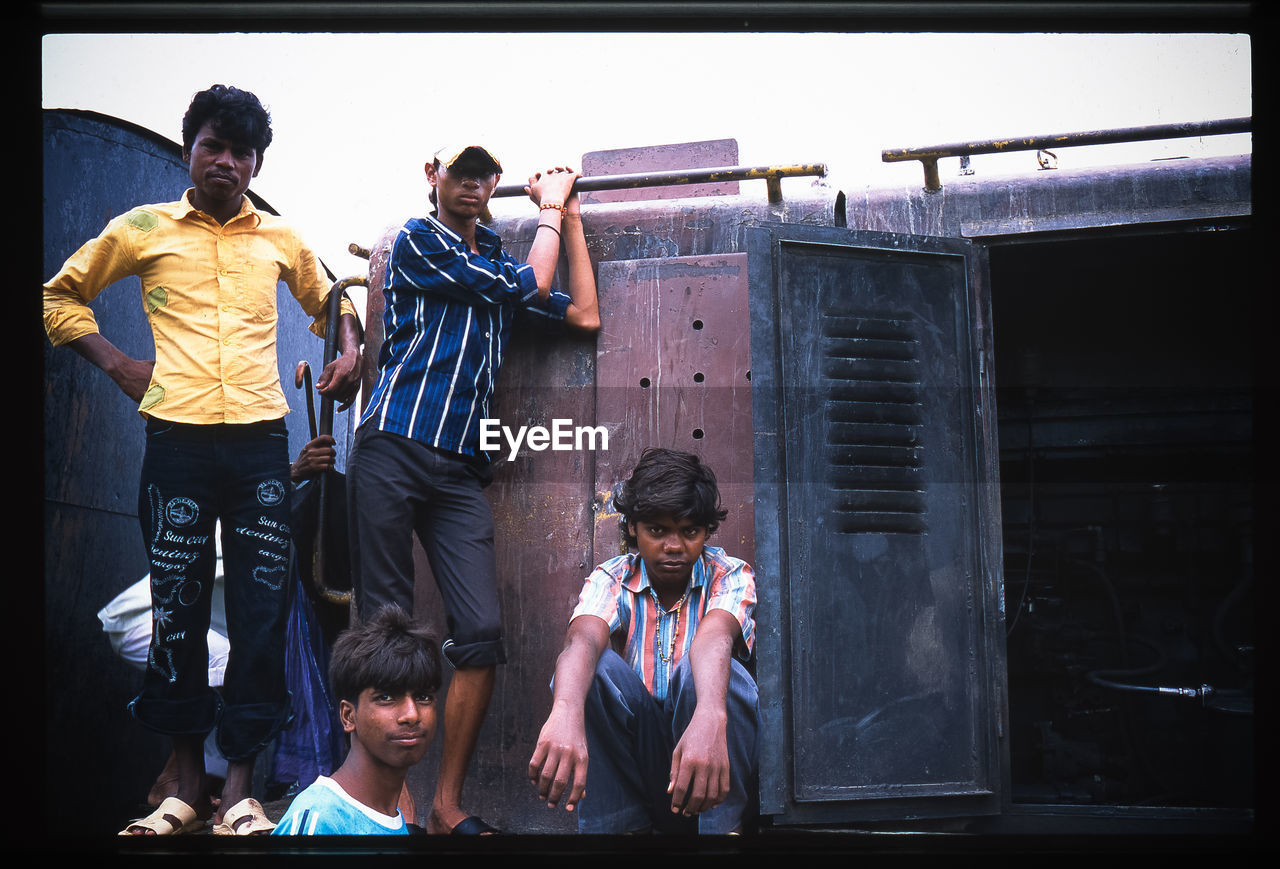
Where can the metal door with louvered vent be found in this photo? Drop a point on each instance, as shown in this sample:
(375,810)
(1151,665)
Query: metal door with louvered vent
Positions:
(881,644)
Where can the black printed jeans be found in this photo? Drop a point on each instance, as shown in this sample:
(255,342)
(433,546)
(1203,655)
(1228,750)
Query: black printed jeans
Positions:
(192,476)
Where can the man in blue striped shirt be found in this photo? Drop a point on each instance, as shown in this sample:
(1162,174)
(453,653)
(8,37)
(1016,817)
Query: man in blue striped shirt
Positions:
(416,465)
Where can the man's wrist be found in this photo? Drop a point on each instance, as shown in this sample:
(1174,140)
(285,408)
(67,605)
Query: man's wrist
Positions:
(566,705)
(712,713)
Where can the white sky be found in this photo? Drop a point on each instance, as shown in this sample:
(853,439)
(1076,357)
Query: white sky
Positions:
(356,115)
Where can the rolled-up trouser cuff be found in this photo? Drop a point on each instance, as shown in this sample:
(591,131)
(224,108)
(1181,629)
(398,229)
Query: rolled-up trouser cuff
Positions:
(190,715)
(244,730)
(486,653)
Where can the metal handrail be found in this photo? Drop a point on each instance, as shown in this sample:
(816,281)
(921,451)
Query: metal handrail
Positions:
(770,174)
(929,156)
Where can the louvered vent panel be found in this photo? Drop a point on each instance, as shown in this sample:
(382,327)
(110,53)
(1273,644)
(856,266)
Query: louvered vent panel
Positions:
(871,372)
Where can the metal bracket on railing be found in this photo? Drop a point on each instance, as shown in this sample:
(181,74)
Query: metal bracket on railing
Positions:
(929,156)
(772,175)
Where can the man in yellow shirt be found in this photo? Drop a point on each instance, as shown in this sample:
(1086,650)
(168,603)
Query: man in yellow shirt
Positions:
(217,447)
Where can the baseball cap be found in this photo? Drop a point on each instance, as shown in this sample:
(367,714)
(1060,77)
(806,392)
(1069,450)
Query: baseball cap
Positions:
(451,154)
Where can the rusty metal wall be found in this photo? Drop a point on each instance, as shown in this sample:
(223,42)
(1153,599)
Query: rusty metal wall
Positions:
(94,168)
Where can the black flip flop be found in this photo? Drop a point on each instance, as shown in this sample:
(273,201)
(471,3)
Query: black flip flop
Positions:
(472,826)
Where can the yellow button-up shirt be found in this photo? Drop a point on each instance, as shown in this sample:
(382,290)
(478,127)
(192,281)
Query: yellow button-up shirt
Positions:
(209,291)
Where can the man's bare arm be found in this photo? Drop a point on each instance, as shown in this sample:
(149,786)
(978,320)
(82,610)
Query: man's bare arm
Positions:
(558,766)
(552,187)
(583,312)
(700,762)
(133,376)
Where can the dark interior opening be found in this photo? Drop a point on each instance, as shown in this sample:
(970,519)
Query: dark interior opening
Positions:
(1124,389)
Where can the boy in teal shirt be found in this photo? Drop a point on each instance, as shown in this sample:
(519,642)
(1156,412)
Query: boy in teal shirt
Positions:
(385,673)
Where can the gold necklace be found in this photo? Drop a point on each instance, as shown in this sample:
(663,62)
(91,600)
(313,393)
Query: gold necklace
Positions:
(675,630)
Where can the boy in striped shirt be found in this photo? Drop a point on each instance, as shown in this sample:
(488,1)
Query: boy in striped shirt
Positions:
(652,684)
(416,466)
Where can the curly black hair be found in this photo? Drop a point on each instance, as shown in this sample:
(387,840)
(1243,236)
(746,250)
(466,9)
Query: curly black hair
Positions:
(388,651)
(668,482)
(235,114)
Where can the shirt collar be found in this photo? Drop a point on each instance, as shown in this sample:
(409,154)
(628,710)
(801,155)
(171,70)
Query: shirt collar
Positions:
(186,209)
(487,240)
(638,581)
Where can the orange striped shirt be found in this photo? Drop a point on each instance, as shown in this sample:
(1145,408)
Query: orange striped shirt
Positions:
(653,639)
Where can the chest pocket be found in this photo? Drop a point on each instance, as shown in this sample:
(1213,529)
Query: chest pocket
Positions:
(249,269)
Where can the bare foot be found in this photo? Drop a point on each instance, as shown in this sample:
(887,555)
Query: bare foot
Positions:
(437,823)
(166,783)
(442,821)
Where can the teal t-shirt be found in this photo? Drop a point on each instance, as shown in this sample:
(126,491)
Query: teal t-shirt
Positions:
(325,809)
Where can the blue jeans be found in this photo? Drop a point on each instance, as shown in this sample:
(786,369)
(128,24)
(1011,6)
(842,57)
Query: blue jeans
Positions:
(630,739)
(192,476)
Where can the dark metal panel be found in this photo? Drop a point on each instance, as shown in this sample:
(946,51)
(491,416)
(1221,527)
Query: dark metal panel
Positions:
(873,501)
(94,170)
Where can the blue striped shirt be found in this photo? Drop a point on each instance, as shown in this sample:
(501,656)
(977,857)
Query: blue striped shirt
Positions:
(447,320)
